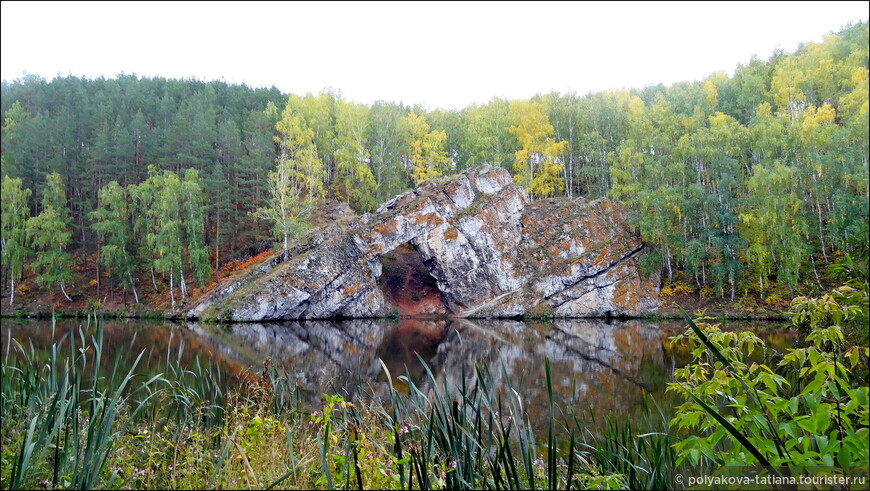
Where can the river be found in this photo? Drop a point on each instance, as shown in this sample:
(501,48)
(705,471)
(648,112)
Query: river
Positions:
(598,367)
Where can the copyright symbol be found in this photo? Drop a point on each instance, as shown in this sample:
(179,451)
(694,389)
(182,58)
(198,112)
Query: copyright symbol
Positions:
(678,478)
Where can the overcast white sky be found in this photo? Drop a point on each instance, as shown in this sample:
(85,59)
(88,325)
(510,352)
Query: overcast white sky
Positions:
(446,55)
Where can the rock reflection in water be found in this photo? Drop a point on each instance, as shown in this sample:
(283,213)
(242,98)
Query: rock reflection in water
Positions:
(603,366)
(319,356)
(599,366)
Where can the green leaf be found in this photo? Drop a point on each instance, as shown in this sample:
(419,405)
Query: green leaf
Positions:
(733,431)
(807,424)
(822,418)
(793,405)
(710,346)
(788,427)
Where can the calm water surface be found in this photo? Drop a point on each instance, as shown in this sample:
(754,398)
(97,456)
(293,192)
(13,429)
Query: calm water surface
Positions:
(597,365)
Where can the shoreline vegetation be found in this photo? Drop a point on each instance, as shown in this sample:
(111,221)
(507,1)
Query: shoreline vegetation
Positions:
(157,315)
(74,420)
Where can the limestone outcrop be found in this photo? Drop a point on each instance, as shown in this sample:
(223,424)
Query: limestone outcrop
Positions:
(484,251)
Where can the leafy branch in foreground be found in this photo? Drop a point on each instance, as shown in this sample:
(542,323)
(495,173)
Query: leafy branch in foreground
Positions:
(756,416)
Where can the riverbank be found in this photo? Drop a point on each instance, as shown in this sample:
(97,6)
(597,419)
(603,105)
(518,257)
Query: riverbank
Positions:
(717,308)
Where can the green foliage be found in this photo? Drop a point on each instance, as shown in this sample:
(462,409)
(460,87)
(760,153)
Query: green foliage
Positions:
(13,233)
(49,235)
(650,262)
(741,413)
(425,157)
(747,183)
(355,181)
(296,183)
(174,223)
(68,433)
(485,137)
(537,165)
(193,203)
(848,306)
(114,226)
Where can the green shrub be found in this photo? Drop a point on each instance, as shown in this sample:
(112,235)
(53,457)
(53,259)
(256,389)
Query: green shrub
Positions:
(739,414)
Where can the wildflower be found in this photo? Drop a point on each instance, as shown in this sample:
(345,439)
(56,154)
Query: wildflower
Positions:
(453,464)
(316,414)
(43,484)
(310,422)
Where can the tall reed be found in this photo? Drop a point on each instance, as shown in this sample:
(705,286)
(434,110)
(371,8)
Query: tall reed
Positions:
(69,415)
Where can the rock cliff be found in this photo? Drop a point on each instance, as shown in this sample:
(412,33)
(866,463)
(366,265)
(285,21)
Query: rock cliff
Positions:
(470,245)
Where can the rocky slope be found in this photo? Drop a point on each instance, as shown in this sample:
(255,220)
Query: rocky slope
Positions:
(487,251)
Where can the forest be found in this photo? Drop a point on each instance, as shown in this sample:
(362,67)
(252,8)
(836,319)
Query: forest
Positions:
(742,185)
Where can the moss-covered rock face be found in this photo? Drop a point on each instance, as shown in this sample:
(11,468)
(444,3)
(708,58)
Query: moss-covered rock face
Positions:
(491,254)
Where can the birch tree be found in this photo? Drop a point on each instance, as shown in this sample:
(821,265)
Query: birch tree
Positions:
(49,234)
(537,166)
(297,181)
(13,234)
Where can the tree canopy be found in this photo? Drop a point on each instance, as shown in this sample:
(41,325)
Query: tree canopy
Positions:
(743,184)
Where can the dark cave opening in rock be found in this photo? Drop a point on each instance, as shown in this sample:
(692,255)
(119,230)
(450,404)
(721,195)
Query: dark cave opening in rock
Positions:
(407,284)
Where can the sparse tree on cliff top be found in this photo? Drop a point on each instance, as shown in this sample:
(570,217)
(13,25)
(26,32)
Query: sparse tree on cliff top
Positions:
(297,181)
(537,166)
(426,157)
(354,179)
